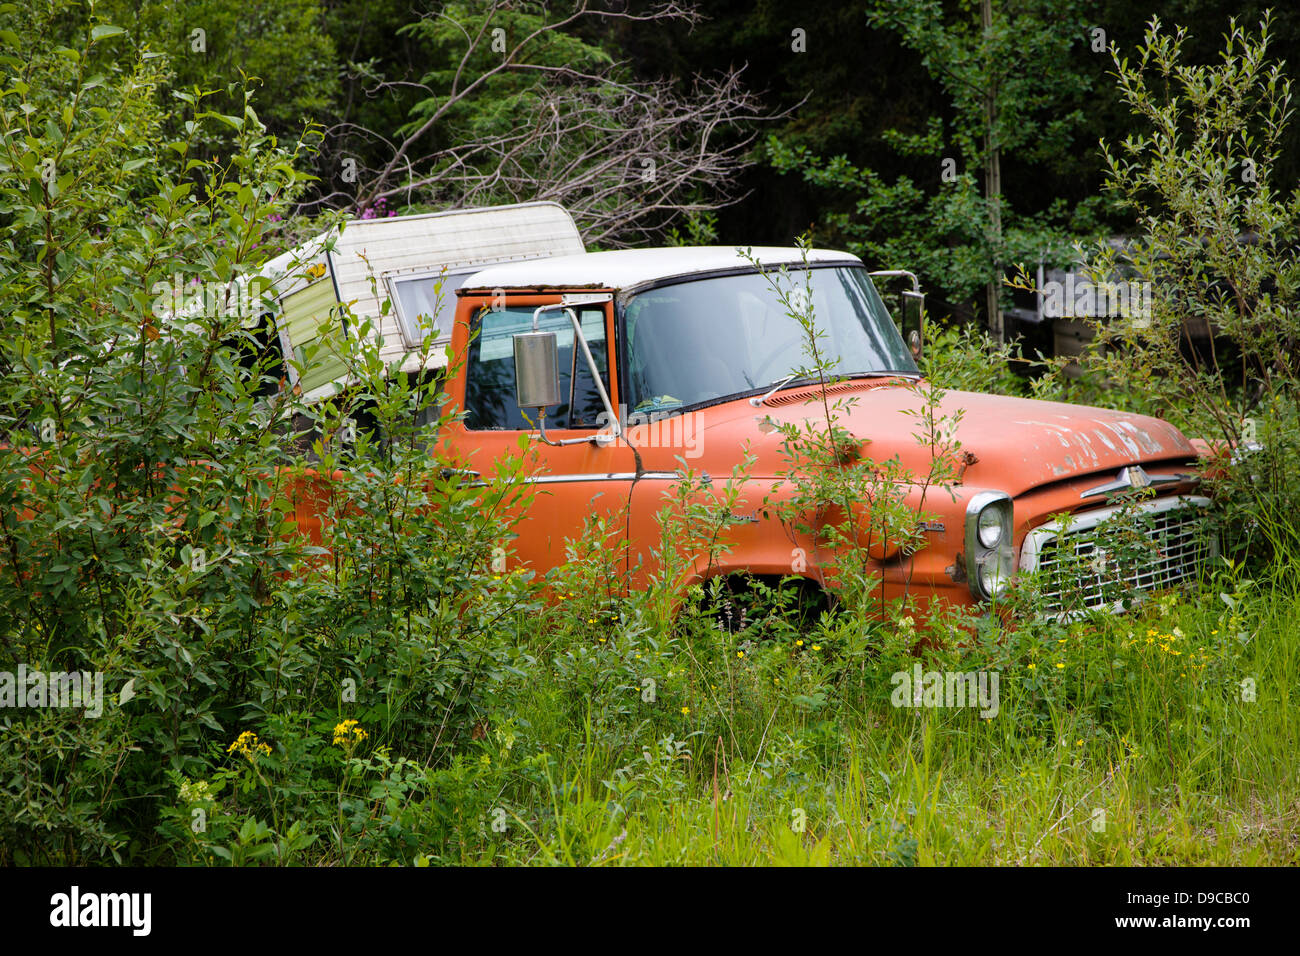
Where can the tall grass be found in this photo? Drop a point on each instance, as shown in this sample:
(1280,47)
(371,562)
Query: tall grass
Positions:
(1119,740)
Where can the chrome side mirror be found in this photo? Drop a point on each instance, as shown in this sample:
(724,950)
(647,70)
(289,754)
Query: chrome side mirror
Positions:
(913,303)
(537,370)
(914,321)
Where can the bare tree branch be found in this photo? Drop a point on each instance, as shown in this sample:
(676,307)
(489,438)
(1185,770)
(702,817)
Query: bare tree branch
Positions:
(627,158)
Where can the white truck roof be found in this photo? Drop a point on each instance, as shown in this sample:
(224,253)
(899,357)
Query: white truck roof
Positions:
(627,268)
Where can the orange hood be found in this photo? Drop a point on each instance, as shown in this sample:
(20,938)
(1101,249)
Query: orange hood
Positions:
(1017,443)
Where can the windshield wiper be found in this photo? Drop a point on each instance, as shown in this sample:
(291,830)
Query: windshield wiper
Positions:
(880,374)
(777,386)
(839,376)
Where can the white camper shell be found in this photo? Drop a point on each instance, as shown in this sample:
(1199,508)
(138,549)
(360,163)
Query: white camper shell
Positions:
(416,261)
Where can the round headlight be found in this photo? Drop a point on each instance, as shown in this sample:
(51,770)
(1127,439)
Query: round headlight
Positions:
(992,580)
(989,526)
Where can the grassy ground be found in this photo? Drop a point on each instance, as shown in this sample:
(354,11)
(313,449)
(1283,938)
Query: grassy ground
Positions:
(1164,736)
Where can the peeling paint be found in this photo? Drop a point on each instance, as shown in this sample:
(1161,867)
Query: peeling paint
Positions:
(1141,438)
(1092,442)
(1085,443)
(1129,444)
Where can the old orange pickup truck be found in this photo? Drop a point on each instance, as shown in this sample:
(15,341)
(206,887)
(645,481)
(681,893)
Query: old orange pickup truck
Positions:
(621,366)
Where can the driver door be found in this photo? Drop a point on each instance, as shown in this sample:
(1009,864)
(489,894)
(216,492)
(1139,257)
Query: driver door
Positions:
(571,482)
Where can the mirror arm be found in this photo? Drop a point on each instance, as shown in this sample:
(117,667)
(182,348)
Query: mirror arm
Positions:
(541,433)
(893,273)
(601,437)
(919,334)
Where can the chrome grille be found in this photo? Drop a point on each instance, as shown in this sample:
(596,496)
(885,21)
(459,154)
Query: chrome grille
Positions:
(1101,560)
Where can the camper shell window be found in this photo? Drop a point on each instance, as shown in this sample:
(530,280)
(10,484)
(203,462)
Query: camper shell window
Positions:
(426,304)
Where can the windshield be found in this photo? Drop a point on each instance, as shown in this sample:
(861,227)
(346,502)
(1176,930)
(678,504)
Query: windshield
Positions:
(705,339)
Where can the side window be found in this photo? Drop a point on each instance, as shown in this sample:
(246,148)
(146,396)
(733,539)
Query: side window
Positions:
(490,370)
(426,305)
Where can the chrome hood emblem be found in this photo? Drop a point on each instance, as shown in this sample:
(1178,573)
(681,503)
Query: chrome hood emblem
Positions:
(1135,476)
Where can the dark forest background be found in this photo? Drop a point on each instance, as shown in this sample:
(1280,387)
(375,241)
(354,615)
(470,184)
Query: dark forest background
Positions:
(831,119)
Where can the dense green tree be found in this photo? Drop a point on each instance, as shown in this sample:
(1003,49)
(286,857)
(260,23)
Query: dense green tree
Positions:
(1008,69)
(851,161)
(211,44)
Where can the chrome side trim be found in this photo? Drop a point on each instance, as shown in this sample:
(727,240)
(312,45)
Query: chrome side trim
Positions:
(611,476)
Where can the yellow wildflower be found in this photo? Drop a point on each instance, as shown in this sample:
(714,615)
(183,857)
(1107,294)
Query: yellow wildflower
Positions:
(249,746)
(347,733)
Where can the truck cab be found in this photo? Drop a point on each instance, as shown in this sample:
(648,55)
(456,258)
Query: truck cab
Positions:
(617,370)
